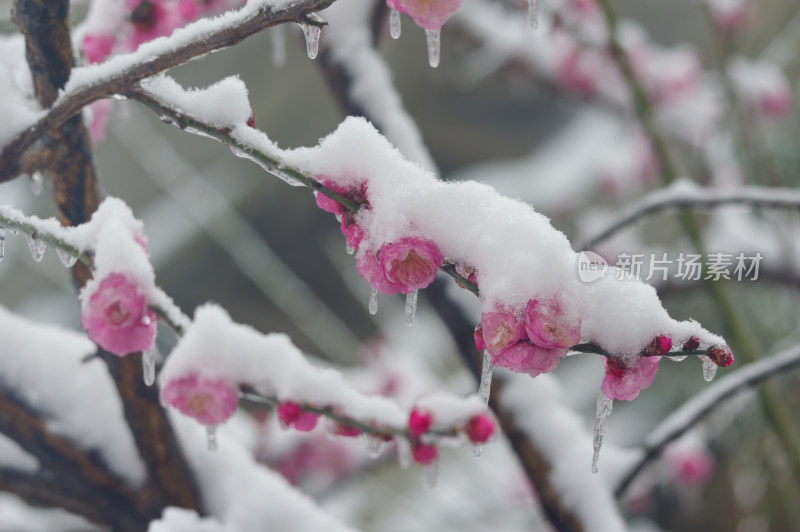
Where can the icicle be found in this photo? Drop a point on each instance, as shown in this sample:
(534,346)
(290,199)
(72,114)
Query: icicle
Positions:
(477,449)
(277,172)
(211,433)
(37,183)
(678,358)
(278,46)
(149,366)
(604,406)
(533,13)
(66,259)
(36,246)
(374,444)
(709,368)
(485,387)
(394,24)
(350,249)
(434,43)
(403,452)
(431,474)
(311,33)
(2,242)
(411,307)
(373,302)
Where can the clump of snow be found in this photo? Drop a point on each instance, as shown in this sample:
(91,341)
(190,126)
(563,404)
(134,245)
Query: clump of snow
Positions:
(182,520)
(44,367)
(222,105)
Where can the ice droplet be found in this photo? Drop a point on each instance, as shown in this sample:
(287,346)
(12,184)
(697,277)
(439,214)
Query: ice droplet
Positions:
(431,474)
(36,246)
(394,24)
(350,249)
(604,406)
(678,358)
(119,97)
(533,13)
(312,34)
(373,302)
(709,368)
(403,452)
(211,434)
(485,386)
(434,44)
(2,242)
(477,449)
(374,444)
(278,46)
(149,366)
(66,259)
(411,307)
(37,183)
(277,172)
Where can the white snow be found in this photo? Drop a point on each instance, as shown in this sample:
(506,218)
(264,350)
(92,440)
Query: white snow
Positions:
(223,104)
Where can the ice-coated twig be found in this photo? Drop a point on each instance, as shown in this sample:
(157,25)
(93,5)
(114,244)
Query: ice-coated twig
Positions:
(90,83)
(713,396)
(686,195)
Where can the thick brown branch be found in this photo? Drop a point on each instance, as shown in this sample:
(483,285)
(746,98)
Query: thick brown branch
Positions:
(134,71)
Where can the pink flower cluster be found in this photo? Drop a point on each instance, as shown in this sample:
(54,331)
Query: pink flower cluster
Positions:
(401,267)
(478,429)
(117,316)
(534,343)
(427,14)
(210,401)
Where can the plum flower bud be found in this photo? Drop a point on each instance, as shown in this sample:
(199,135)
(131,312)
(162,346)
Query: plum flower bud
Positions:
(501,330)
(346,430)
(209,401)
(292,415)
(720,355)
(480,343)
(691,344)
(479,429)
(410,263)
(423,453)
(419,423)
(117,317)
(528,358)
(552,324)
(624,380)
(659,346)
(428,14)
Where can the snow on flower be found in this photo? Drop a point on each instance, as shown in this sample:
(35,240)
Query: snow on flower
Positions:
(402,266)
(428,14)
(209,401)
(762,86)
(552,324)
(500,330)
(117,316)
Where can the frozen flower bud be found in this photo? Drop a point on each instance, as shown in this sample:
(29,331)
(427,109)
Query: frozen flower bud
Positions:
(624,379)
(501,330)
(346,430)
(720,355)
(552,324)
(468,273)
(659,346)
(328,204)
(292,415)
(480,343)
(419,423)
(251,120)
(428,14)
(210,401)
(423,453)
(117,317)
(410,263)
(479,429)
(691,344)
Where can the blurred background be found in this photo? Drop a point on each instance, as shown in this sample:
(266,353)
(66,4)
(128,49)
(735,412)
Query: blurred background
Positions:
(221,229)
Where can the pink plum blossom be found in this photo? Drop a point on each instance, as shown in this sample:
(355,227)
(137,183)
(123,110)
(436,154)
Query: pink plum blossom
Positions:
(479,429)
(427,14)
(210,401)
(501,330)
(552,323)
(480,343)
(624,380)
(292,415)
(368,267)
(410,263)
(571,73)
(419,423)
(117,317)
(96,47)
(346,430)
(524,357)
(689,465)
(422,453)
(353,233)
(659,346)
(153,18)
